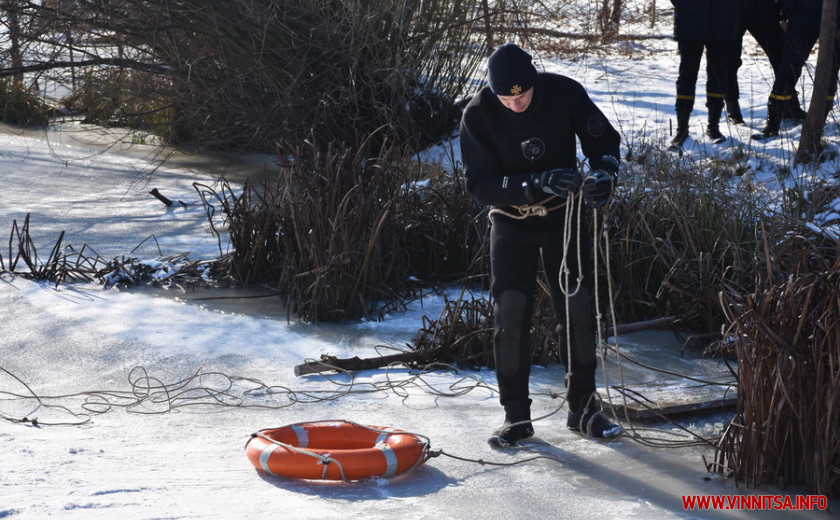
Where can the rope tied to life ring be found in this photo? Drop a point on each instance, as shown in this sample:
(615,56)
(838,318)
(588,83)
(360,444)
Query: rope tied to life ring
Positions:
(324,459)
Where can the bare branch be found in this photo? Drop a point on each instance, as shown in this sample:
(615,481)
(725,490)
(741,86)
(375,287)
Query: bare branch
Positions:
(95,62)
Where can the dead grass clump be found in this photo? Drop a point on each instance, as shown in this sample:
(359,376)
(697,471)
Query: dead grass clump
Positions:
(66,265)
(132,99)
(463,333)
(787,426)
(19,106)
(24,252)
(678,235)
(344,235)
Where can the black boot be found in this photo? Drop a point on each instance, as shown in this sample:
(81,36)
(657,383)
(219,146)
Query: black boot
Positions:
(684,109)
(792,109)
(679,138)
(589,420)
(517,426)
(713,128)
(733,112)
(774,120)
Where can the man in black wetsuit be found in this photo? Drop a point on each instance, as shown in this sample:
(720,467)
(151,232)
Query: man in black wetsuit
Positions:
(518,144)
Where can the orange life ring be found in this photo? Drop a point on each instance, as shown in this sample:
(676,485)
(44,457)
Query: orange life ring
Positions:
(335,450)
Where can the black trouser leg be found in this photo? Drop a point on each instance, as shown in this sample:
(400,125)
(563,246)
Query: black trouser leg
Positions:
(718,55)
(763,24)
(691,53)
(515,251)
(573,307)
(513,259)
(733,105)
(799,39)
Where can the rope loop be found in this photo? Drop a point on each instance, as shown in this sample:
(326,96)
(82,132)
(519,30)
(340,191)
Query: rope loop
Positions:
(529,210)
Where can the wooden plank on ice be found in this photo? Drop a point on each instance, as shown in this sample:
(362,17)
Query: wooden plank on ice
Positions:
(658,398)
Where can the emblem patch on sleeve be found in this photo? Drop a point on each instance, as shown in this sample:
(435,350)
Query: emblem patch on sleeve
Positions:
(596,125)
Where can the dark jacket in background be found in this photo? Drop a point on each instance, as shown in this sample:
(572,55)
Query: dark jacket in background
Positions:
(707,20)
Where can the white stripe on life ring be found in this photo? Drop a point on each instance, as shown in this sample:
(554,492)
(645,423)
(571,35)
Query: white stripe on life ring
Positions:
(302,436)
(264,455)
(390,457)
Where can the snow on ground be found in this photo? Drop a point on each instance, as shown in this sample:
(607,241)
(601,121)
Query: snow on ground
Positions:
(137,404)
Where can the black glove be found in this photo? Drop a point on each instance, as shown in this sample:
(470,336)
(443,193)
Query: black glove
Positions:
(560,181)
(598,186)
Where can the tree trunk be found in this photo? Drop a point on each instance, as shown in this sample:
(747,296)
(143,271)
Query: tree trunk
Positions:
(615,16)
(488,28)
(652,14)
(15,54)
(810,144)
(609,18)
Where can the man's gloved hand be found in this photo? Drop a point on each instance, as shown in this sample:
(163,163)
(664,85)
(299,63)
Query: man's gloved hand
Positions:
(598,186)
(560,181)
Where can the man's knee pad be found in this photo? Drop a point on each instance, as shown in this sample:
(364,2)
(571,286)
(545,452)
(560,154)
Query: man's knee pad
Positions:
(511,307)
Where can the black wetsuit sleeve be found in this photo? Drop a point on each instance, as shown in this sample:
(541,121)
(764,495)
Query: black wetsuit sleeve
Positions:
(599,141)
(486,180)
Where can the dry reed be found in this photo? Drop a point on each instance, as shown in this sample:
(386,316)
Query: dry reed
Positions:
(342,234)
(463,333)
(66,265)
(787,341)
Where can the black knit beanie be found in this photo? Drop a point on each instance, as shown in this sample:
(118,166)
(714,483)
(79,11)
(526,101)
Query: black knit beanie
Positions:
(511,70)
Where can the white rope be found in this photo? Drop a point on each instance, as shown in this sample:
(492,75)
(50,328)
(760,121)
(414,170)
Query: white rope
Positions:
(619,356)
(574,204)
(611,301)
(598,315)
(325,459)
